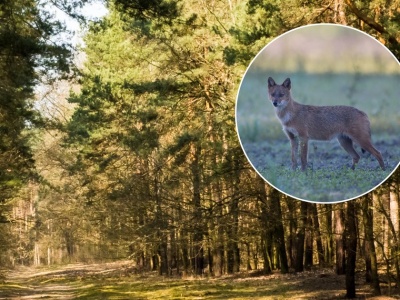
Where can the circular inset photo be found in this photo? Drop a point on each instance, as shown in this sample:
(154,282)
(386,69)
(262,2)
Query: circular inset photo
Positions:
(317,113)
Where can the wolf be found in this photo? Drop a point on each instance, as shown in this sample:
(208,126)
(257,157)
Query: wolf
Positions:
(302,123)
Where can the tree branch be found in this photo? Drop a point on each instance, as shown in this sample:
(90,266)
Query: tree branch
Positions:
(378,27)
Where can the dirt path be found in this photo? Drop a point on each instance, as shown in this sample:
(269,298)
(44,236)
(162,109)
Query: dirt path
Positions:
(59,283)
(118,281)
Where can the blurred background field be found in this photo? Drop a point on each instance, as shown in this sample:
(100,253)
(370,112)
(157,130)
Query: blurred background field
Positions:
(325,48)
(376,94)
(327,65)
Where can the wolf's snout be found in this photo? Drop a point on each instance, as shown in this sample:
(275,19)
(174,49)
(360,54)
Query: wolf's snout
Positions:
(275,103)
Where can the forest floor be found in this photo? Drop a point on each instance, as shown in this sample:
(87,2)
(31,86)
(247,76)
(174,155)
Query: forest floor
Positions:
(117,281)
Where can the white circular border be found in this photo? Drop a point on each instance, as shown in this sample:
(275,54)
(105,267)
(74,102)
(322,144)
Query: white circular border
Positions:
(237,98)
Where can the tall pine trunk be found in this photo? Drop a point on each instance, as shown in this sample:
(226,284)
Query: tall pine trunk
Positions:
(266,234)
(300,236)
(279,232)
(198,250)
(371,259)
(329,252)
(351,249)
(317,231)
(309,240)
(233,229)
(339,240)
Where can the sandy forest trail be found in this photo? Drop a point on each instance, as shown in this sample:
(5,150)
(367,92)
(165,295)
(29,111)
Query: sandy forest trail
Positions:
(117,281)
(54,283)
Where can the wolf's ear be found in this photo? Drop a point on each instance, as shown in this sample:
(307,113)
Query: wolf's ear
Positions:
(271,82)
(287,83)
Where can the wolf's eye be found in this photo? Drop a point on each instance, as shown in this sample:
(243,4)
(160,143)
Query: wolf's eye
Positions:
(278,94)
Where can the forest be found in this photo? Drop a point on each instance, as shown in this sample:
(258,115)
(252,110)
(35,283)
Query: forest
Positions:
(122,175)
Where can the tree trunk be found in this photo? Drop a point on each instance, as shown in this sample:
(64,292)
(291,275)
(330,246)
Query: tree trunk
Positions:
(392,241)
(36,255)
(394,219)
(309,240)
(315,224)
(339,13)
(351,249)
(248,257)
(162,255)
(266,234)
(218,252)
(339,239)
(198,250)
(370,253)
(329,252)
(300,236)
(267,252)
(367,257)
(233,247)
(163,258)
(185,255)
(291,240)
(279,233)
(233,230)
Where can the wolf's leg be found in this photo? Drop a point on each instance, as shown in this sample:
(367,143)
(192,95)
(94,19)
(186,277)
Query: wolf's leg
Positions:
(347,144)
(303,152)
(294,142)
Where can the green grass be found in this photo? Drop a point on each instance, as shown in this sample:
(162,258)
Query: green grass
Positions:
(149,286)
(112,281)
(329,177)
(326,185)
(159,288)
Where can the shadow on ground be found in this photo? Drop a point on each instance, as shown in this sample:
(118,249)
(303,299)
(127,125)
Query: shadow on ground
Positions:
(119,281)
